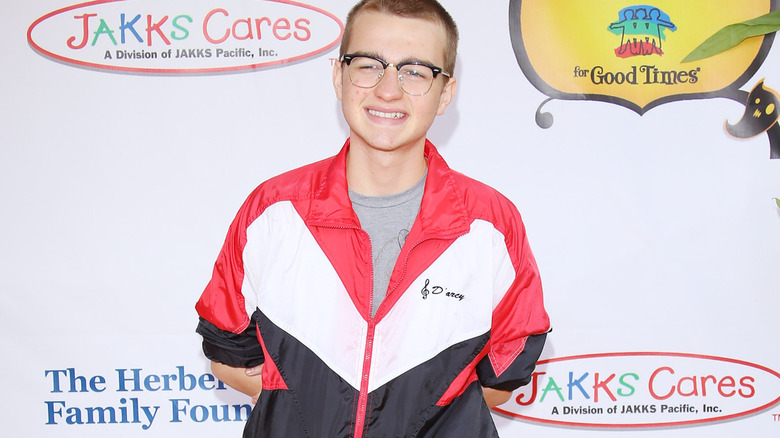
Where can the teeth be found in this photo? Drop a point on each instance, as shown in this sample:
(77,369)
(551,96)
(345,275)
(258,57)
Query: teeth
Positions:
(385,115)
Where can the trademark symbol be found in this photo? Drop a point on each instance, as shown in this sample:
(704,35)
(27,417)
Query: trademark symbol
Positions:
(776,417)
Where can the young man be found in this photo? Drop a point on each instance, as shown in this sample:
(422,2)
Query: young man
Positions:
(377,293)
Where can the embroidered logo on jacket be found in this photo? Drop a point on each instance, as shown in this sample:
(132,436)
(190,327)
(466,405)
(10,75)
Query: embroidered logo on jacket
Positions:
(428,289)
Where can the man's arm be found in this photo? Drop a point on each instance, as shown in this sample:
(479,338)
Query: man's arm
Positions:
(520,323)
(236,358)
(246,380)
(495,397)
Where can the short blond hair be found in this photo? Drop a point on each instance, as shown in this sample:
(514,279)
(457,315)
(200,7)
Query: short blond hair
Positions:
(429,10)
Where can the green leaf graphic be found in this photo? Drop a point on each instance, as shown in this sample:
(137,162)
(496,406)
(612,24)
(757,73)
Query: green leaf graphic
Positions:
(734,34)
(778,202)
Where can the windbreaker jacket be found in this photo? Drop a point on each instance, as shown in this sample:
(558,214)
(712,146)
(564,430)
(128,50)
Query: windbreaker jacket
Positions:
(292,288)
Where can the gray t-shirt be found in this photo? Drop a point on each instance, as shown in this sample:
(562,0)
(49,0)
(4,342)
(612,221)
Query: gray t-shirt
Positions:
(387,220)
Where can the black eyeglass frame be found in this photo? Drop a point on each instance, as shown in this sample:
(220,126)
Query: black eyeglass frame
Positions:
(348,57)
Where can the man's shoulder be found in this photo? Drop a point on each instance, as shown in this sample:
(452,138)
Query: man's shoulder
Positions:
(484,202)
(297,184)
(300,181)
(476,192)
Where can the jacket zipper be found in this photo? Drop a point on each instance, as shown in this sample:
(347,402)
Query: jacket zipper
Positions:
(360,419)
(360,416)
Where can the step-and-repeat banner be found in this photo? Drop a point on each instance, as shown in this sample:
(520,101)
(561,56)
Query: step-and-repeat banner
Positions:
(638,139)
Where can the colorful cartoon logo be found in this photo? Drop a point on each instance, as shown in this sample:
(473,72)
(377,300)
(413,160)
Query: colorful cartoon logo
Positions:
(640,56)
(642,30)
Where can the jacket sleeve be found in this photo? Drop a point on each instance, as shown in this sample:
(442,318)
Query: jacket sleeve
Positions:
(233,349)
(520,322)
(519,373)
(229,333)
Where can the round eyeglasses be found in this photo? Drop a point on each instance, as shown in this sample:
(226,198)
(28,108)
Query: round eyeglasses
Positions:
(414,77)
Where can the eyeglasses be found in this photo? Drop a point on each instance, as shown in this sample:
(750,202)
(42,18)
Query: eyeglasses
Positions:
(415,77)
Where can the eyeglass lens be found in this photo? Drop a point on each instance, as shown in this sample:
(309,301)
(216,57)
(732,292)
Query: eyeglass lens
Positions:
(366,72)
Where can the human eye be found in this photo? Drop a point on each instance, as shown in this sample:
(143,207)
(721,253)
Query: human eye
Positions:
(416,72)
(366,64)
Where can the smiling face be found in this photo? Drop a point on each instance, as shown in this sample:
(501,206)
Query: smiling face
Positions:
(385,118)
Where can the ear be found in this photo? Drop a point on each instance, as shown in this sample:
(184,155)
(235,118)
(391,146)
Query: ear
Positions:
(337,78)
(447,93)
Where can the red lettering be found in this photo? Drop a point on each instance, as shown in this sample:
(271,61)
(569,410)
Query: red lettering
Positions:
(688,386)
(248,34)
(85,27)
(282,24)
(534,386)
(302,25)
(602,385)
(652,381)
(744,382)
(155,28)
(726,382)
(249,28)
(206,25)
(258,23)
(704,384)
(694,390)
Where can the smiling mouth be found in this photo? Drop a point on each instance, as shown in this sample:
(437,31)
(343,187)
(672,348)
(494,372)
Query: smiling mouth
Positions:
(395,115)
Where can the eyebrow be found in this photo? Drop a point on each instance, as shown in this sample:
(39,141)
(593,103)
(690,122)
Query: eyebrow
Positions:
(402,61)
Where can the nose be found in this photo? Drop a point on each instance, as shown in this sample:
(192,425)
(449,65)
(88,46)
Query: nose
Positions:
(389,87)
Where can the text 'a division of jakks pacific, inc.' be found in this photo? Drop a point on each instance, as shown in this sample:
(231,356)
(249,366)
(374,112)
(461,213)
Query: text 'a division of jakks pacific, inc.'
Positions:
(206,53)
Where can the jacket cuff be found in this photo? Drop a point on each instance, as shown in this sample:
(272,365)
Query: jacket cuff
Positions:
(519,373)
(240,350)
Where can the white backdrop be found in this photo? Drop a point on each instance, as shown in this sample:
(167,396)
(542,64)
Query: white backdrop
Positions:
(654,233)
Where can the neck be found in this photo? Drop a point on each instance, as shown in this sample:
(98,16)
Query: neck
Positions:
(380,173)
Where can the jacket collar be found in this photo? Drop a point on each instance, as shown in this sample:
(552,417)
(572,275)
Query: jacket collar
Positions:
(442,212)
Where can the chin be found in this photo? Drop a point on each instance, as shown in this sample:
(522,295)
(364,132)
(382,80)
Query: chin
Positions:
(391,145)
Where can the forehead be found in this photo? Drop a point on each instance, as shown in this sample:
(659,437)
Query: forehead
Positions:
(396,38)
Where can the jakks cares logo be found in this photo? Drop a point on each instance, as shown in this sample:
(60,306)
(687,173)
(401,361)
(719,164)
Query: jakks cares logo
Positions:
(641,390)
(196,36)
(637,56)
